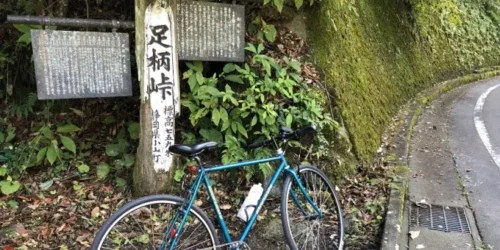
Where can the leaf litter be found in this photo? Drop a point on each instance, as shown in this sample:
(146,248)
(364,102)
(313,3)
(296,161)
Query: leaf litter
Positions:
(66,212)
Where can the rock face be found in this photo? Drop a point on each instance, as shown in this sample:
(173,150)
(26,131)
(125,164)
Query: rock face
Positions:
(378,54)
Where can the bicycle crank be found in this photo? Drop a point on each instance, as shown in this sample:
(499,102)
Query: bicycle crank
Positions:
(235,245)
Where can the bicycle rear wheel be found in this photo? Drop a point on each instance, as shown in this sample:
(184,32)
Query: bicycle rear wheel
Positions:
(302,227)
(143,224)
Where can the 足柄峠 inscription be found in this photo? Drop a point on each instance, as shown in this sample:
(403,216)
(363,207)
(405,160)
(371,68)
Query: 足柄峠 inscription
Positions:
(161,82)
(71,64)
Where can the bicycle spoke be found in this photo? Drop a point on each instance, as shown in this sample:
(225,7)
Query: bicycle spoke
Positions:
(124,237)
(310,231)
(148,226)
(192,247)
(152,226)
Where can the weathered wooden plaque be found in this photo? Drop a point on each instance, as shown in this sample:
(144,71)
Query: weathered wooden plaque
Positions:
(211,31)
(70,64)
(161,85)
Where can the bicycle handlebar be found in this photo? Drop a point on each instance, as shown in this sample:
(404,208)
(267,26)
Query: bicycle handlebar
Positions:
(284,136)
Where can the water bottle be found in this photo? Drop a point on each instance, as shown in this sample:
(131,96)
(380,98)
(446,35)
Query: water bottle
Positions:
(250,202)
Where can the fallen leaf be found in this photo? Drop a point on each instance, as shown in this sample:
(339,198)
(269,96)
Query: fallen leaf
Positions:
(117,197)
(24,198)
(71,220)
(62,227)
(81,239)
(21,230)
(420,246)
(45,232)
(95,212)
(414,234)
(423,203)
(225,207)
(8,247)
(91,196)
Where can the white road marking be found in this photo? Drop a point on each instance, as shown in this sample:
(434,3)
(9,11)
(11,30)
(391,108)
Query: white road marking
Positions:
(481,128)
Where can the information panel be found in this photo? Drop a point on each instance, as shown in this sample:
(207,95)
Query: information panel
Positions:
(73,64)
(211,31)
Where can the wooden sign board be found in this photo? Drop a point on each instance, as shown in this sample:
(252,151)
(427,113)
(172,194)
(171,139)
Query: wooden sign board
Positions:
(70,64)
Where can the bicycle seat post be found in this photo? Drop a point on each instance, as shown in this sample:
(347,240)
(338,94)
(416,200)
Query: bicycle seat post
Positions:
(198,161)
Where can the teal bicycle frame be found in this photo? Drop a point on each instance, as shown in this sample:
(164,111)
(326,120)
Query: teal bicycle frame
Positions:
(202,177)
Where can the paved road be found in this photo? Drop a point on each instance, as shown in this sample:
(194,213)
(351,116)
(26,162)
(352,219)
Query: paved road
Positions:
(455,162)
(474,137)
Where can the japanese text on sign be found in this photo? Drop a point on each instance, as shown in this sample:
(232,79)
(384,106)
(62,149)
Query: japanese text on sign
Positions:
(72,64)
(161,86)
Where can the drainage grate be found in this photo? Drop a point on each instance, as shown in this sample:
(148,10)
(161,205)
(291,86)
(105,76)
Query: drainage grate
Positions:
(440,218)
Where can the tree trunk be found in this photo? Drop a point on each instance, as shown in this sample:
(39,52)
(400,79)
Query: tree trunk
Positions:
(146,179)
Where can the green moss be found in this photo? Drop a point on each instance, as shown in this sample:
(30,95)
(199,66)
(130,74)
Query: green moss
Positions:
(391,157)
(378,54)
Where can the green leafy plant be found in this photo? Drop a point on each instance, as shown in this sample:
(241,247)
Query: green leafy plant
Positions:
(261,29)
(83,168)
(7,136)
(102,171)
(119,150)
(23,107)
(9,186)
(134,130)
(279,4)
(50,142)
(25,30)
(249,102)
(15,159)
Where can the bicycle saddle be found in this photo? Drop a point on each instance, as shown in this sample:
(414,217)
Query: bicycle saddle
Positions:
(191,150)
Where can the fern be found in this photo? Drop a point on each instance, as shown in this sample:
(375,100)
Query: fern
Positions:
(24,107)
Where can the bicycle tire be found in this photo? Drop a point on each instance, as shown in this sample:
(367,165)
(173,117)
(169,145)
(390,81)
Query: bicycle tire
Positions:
(149,200)
(338,243)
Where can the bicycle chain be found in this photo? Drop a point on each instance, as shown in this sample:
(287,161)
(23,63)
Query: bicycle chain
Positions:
(240,245)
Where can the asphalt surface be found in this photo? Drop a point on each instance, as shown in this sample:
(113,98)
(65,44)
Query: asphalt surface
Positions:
(433,175)
(469,129)
(455,162)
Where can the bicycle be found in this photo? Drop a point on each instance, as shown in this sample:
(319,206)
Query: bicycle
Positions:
(170,222)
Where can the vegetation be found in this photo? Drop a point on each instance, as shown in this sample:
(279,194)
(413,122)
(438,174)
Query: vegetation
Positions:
(378,54)
(246,103)
(75,158)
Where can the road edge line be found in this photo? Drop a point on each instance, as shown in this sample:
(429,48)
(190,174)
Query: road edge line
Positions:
(481,127)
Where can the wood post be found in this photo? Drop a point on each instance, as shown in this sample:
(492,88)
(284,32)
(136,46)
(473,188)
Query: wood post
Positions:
(151,174)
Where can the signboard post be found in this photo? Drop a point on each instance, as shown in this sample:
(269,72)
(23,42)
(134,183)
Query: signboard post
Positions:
(96,64)
(160,85)
(192,31)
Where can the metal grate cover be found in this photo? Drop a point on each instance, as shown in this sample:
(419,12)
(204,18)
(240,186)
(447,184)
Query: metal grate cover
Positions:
(440,218)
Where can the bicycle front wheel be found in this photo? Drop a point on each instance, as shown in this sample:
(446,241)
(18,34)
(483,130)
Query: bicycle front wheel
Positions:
(302,226)
(143,224)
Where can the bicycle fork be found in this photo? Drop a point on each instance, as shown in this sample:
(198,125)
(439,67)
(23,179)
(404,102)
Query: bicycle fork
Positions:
(172,233)
(304,191)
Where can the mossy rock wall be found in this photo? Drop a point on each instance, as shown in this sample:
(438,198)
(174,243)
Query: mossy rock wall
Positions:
(377,54)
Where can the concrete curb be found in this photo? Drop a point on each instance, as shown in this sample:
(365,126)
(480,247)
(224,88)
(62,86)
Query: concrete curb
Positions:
(396,151)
